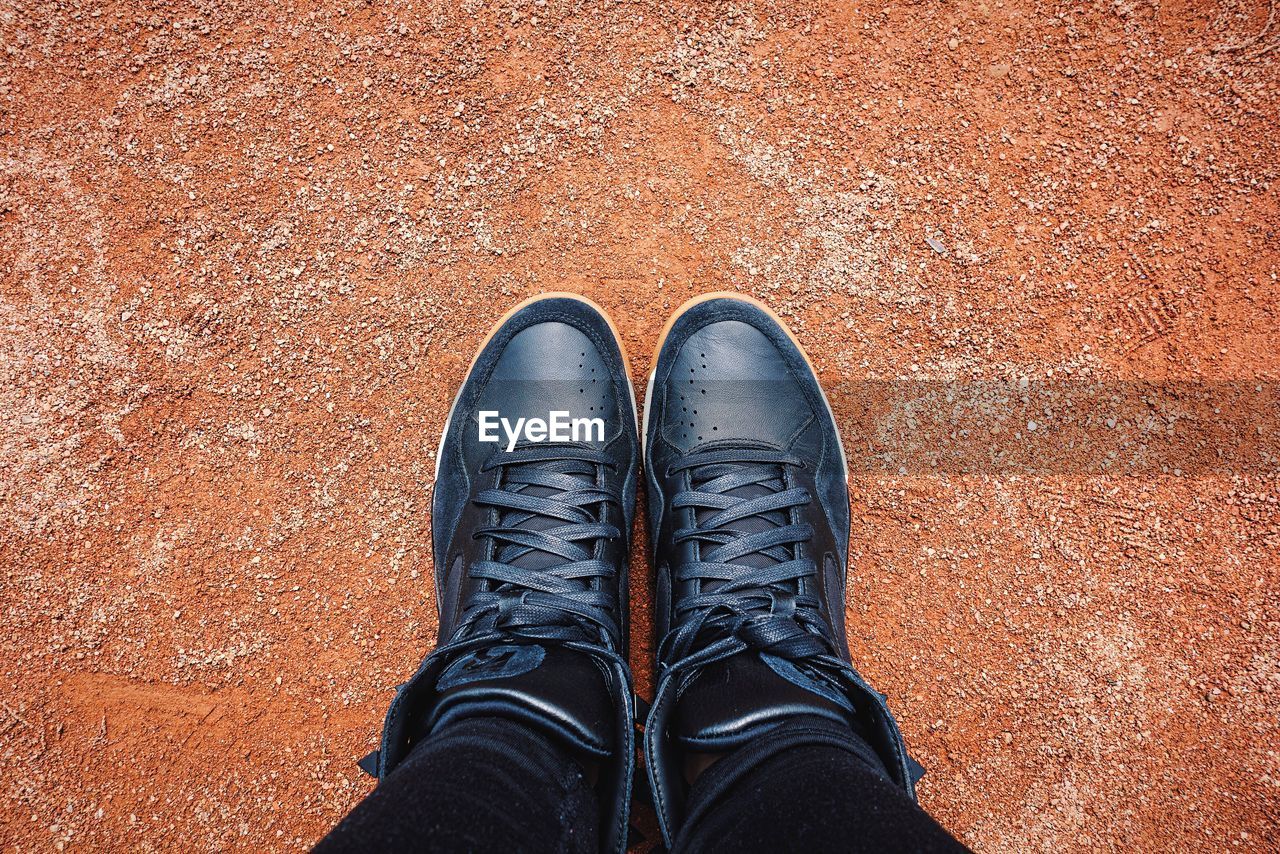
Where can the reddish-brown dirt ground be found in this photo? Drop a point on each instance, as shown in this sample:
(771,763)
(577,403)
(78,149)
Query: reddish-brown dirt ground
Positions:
(247,250)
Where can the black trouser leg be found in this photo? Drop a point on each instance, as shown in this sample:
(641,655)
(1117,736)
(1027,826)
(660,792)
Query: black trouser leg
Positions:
(810,786)
(479,784)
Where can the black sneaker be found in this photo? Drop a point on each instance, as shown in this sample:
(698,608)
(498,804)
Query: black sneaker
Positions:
(749,523)
(530,535)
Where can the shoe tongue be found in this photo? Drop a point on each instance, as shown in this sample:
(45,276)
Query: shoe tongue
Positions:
(734,700)
(560,691)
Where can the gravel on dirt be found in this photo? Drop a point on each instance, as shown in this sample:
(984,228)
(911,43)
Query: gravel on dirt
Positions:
(247,250)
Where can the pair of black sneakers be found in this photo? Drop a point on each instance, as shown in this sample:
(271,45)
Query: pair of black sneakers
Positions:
(748,523)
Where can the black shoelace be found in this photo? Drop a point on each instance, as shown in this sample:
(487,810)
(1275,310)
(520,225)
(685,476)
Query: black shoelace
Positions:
(545,579)
(751,565)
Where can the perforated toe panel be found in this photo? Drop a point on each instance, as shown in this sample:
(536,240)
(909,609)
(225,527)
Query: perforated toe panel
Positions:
(726,384)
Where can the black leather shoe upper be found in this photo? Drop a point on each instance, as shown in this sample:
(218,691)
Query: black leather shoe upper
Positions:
(749,521)
(556,355)
(530,536)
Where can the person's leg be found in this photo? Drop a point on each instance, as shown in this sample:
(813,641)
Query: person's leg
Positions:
(808,786)
(761,734)
(516,733)
(477,784)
